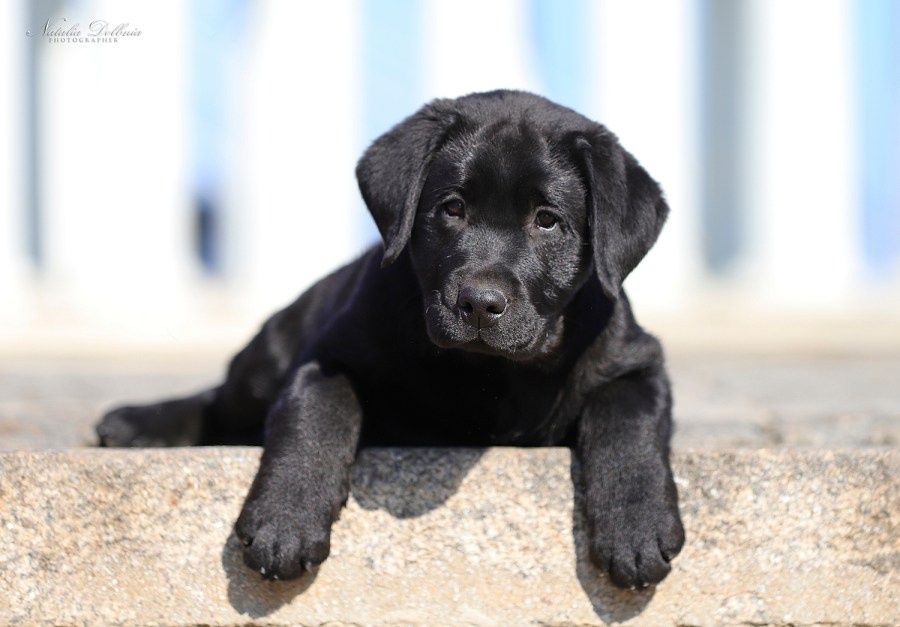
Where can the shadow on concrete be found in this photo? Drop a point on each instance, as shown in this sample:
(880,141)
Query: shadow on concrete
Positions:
(248,592)
(405,482)
(410,482)
(611,604)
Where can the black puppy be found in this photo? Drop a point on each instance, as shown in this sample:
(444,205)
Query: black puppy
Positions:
(494,315)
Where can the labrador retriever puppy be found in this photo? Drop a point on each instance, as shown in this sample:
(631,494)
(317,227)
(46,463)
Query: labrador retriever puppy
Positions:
(493,314)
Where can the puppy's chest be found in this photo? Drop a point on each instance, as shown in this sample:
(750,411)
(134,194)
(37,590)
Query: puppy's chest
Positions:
(467,409)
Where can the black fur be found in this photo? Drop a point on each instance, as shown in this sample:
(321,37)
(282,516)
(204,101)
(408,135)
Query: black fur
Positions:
(494,316)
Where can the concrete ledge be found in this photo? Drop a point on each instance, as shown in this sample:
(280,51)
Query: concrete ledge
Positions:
(445,536)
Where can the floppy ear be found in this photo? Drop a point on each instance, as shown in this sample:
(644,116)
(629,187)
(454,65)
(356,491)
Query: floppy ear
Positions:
(392,172)
(626,208)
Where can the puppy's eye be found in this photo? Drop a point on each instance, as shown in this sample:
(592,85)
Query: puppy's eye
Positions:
(455,208)
(546,220)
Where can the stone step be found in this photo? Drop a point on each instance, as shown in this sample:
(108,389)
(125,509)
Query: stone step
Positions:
(446,536)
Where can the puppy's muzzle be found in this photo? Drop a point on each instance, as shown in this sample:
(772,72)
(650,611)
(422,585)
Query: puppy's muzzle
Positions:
(481,307)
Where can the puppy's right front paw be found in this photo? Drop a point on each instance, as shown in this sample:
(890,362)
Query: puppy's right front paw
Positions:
(278,542)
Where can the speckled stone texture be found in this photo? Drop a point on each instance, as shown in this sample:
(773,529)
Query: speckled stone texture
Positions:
(446,537)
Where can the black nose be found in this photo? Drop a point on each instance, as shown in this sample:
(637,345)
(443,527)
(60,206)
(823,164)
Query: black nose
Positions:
(481,307)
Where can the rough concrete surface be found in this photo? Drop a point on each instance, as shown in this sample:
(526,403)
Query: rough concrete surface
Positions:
(446,537)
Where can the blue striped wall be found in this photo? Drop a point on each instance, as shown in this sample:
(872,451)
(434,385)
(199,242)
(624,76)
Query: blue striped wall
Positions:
(391,73)
(216,29)
(559,37)
(878,43)
(560,32)
(391,63)
(722,107)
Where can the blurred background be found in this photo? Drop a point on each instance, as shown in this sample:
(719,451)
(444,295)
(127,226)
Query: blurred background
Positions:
(162,192)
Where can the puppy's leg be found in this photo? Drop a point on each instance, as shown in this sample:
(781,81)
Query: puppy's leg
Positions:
(232,413)
(303,480)
(176,422)
(634,528)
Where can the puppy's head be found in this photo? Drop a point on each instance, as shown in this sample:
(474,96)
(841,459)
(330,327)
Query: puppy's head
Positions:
(508,204)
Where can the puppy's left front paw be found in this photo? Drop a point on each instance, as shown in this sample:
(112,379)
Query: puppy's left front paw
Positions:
(280,540)
(635,541)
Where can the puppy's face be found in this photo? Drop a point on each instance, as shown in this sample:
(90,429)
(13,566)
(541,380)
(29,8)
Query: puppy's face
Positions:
(500,241)
(508,202)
